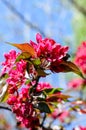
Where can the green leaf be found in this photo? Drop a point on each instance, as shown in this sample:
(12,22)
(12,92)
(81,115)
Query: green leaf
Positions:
(36,61)
(3,90)
(23,55)
(40,99)
(4,76)
(43,107)
(27,81)
(52,90)
(5,97)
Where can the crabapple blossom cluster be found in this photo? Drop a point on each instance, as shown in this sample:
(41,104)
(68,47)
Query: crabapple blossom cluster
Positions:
(24,93)
(80,60)
(9,61)
(22,72)
(23,108)
(79,84)
(15,71)
(41,86)
(49,49)
(75,83)
(50,52)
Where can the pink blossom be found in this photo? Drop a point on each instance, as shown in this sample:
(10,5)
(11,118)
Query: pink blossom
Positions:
(80,128)
(23,109)
(55,113)
(41,86)
(12,100)
(9,61)
(50,52)
(21,98)
(16,76)
(63,115)
(75,83)
(80,58)
(49,49)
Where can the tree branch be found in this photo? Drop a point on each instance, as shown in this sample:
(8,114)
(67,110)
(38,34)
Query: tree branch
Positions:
(21,17)
(43,120)
(46,128)
(6,108)
(80,8)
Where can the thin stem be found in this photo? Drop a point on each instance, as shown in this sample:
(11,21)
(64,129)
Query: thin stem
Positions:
(43,120)
(5,108)
(33,89)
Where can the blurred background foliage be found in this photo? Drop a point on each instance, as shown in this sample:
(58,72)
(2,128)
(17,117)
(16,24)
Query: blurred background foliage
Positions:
(62,20)
(79,20)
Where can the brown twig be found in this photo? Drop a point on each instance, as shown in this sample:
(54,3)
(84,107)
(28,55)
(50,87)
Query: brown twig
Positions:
(5,108)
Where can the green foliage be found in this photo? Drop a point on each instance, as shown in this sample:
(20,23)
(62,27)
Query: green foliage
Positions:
(43,107)
(52,90)
(23,55)
(79,21)
(36,61)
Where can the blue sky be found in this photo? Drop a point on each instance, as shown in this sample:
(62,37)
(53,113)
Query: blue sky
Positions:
(48,15)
